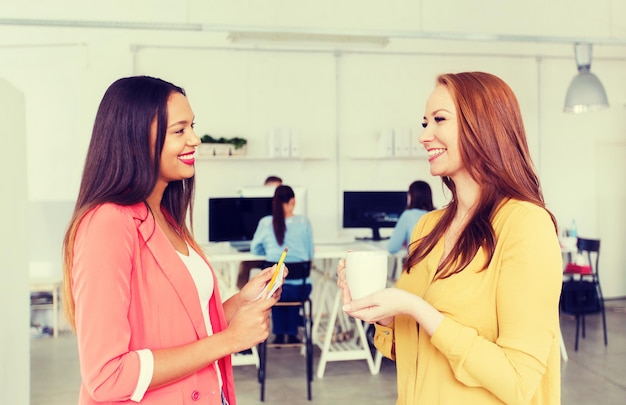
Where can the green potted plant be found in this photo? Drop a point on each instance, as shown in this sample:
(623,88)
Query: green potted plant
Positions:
(222,146)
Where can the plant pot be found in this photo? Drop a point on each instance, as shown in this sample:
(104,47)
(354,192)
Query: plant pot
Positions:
(238,152)
(204,149)
(214,149)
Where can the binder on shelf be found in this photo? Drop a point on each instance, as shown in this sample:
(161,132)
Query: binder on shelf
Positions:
(294,143)
(285,142)
(402,141)
(385,143)
(275,145)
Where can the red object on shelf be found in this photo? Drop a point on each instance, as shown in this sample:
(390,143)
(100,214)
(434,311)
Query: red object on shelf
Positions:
(573,268)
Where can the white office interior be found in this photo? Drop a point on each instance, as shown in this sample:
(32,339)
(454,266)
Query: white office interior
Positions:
(340,75)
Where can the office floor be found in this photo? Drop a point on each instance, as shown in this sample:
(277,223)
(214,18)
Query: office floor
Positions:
(594,374)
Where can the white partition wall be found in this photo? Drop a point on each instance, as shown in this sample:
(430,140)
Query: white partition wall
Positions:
(611,216)
(14,310)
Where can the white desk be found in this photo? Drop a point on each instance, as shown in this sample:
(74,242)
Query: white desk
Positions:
(326,298)
(223,252)
(225,261)
(226,255)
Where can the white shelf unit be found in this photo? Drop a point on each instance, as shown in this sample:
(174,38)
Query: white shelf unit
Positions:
(53,287)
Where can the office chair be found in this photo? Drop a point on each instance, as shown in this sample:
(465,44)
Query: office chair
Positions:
(582,293)
(297,271)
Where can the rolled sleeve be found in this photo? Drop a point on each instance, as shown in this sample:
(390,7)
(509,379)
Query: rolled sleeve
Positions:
(146,370)
(384,340)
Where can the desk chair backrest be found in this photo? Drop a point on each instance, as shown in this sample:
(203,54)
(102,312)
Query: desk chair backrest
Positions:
(298,270)
(582,293)
(590,248)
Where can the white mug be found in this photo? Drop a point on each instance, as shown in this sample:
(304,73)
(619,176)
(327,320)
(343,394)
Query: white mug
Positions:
(366,272)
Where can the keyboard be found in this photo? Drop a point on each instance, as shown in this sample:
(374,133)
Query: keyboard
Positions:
(241,245)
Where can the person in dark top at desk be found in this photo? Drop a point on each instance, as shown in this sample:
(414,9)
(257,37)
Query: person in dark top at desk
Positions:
(274,233)
(419,202)
(273,181)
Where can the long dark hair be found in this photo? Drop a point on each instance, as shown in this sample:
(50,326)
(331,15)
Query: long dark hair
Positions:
(421,196)
(121,165)
(494,150)
(282,195)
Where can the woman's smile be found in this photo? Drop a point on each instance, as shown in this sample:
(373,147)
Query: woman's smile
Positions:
(187,158)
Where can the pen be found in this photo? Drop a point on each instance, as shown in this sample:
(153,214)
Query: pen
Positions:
(282,258)
(280,263)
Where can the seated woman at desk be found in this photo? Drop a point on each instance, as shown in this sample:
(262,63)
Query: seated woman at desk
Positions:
(419,202)
(273,234)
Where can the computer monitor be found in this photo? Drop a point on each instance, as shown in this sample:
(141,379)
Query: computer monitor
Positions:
(234,219)
(373,209)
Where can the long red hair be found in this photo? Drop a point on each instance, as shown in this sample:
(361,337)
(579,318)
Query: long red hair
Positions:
(494,151)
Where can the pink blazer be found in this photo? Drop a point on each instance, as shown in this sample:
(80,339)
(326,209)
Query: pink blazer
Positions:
(133,292)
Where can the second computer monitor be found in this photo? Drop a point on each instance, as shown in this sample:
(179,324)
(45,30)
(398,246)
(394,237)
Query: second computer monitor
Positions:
(373,209)
(235,219)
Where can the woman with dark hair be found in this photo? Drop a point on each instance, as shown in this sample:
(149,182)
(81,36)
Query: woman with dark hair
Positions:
(138,290)
(274,233)
(474,316)
(419,202)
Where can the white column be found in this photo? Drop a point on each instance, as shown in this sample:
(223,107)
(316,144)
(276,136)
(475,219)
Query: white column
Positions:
(14,293)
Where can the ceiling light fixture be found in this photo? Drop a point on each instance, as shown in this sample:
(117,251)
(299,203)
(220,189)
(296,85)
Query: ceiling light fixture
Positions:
(585,92)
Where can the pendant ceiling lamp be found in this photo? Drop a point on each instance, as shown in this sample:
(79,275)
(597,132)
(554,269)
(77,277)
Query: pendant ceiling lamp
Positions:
(585,92)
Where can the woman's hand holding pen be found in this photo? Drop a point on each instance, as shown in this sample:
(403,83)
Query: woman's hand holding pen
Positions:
(251,323)
(253,288)
(257,284)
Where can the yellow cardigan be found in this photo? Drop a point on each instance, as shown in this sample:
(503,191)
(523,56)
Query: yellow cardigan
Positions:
(500,339)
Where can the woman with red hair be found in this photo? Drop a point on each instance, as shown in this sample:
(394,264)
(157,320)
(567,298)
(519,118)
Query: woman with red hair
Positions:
(474,319)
